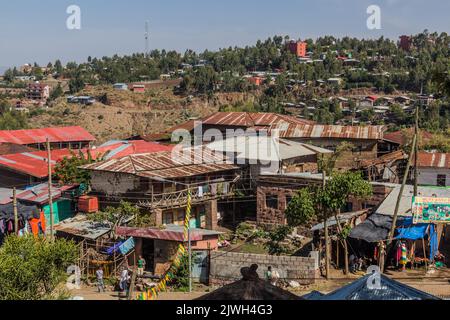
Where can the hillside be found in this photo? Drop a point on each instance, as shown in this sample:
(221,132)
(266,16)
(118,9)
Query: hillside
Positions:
(126,113)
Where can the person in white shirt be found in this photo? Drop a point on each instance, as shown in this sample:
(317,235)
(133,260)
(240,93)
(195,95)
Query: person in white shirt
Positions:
(124,277)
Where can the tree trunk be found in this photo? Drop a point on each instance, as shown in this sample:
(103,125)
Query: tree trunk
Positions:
(346,256)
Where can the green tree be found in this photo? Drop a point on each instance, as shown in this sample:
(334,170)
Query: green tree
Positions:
(68,169)
(56,93)
(32,268)
(117,216)
(321,203)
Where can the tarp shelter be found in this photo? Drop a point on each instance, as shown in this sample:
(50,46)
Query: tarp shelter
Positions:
(389,290)
(375,228)
(409,231)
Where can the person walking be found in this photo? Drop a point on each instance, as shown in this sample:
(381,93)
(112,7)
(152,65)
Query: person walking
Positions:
(141,266)
(124,278)
(100,282)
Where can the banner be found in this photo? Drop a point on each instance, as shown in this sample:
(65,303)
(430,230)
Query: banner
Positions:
(431,210)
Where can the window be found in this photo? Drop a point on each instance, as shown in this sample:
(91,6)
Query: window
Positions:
(288,200)
(168,218)
(441,180)
(272,201)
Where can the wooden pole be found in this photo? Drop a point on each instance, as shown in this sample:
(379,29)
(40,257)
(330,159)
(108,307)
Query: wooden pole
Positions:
(425,255)
(344,241)
(327,247)
(16,215)
(416,152)
(400,194)
(50,198)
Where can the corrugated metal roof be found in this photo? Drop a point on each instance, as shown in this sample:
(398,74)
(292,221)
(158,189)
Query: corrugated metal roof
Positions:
(249,119)
(387,207)
(5,195)
(329,131)
(39,193)
(389,290)
(33,163)
(433,160)
(10,148)
(81,226)
(119,149)
(401,137)
(384,159)
(191,162)
(56,134)
(36,163)
(264,148)
(169,233)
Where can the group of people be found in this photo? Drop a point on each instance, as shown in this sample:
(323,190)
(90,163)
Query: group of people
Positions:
(124,279)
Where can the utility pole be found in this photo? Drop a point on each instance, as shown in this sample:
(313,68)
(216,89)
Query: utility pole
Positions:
(188,221)
(16,216)
(147,35)
(50,198)
(325,226)
(416,152)
(400,194)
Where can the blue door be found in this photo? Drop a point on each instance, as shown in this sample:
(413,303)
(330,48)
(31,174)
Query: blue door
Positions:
(200,266)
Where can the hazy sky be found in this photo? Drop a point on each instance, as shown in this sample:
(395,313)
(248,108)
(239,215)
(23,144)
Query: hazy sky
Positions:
(33,30)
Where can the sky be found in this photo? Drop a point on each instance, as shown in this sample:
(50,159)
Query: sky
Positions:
(35,31)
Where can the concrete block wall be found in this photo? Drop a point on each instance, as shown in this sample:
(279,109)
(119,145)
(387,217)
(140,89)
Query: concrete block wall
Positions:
(225,267)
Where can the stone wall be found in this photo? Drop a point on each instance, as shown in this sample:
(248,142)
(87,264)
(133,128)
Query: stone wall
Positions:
(225,267)
(270,216)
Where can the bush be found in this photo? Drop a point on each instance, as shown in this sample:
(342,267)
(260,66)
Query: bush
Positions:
(32,268)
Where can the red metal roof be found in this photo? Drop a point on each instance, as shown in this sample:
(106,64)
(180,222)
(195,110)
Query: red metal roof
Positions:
(10,148)
(433,160)
(57,134)
(35,163)
(120,149)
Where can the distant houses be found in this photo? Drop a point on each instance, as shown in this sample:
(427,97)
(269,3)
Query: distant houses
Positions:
(38,91)
(86,100)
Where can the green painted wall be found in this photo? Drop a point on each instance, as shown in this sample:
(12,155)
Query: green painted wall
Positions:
(62,210)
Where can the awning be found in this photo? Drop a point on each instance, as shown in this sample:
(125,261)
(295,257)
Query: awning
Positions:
(375,228)
(170,233)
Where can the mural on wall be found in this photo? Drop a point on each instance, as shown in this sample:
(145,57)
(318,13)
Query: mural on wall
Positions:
(431,210)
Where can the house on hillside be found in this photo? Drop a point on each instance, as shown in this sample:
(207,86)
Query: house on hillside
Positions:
(38,91)
(159,183)
(120,86)
(59,137)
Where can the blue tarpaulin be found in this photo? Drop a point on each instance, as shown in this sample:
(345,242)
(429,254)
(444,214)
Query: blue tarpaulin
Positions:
(409,231)
(127,246)
(114,248)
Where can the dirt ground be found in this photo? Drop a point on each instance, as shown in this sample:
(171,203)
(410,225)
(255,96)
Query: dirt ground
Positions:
(436,283)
